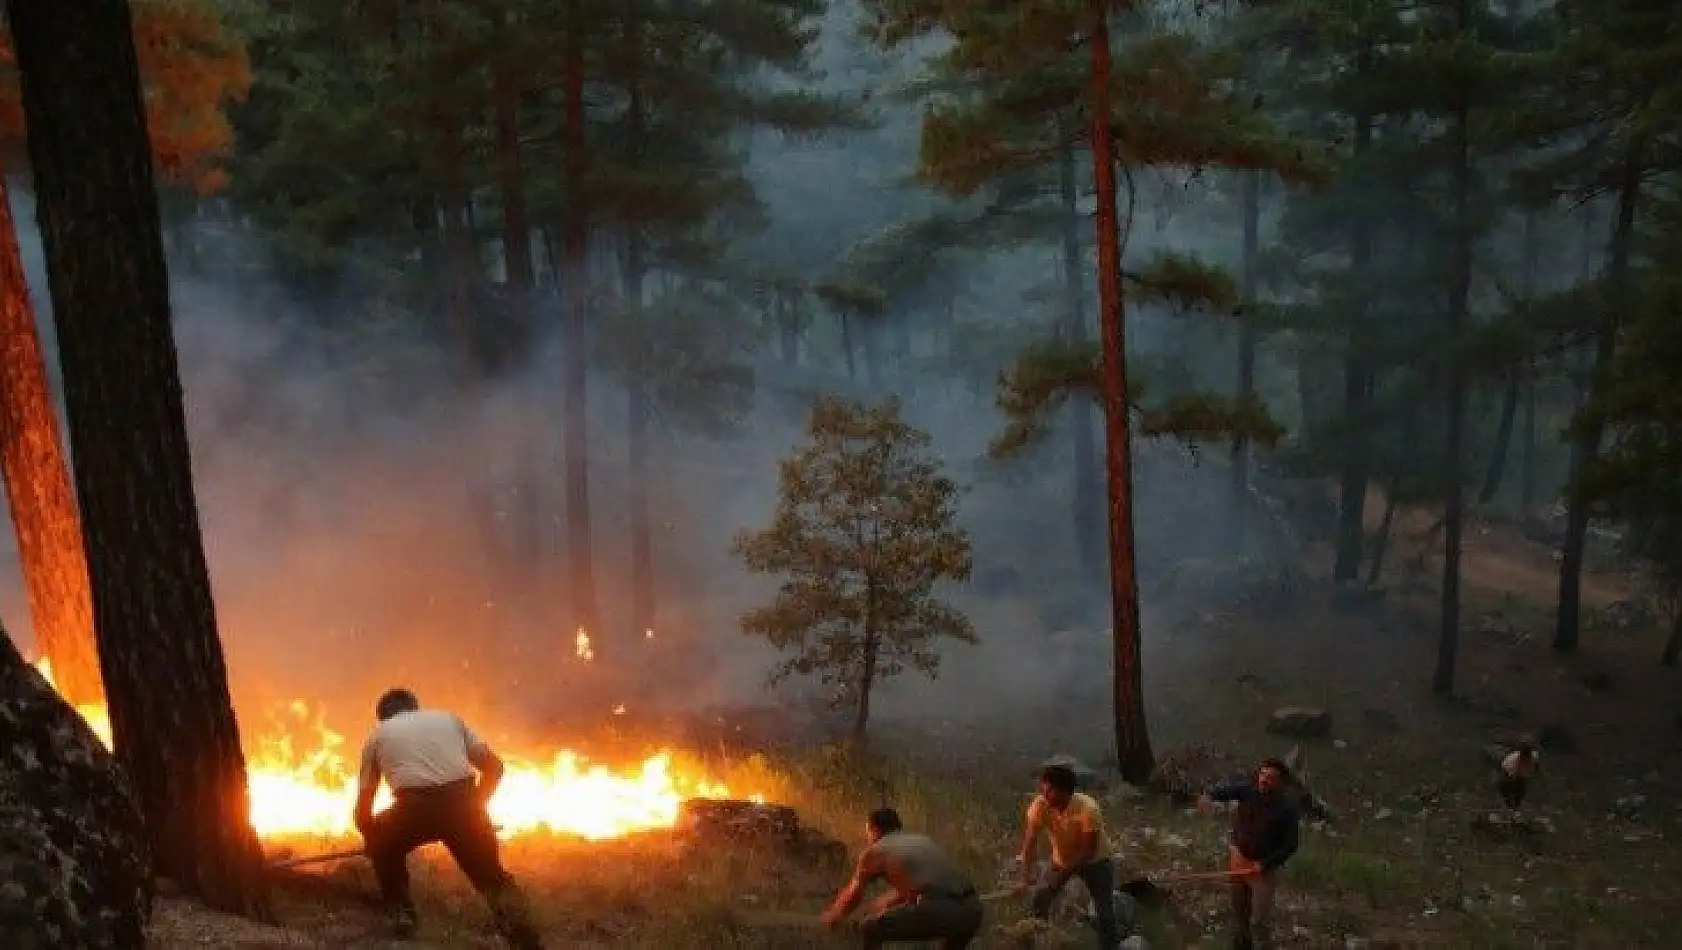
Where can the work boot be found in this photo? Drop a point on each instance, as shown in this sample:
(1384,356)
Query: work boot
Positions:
(514,919)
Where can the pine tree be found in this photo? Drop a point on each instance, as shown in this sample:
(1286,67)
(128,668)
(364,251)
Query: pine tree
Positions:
(1598,122)
(1034,73)
(172,716)
(191,68)
(864,528)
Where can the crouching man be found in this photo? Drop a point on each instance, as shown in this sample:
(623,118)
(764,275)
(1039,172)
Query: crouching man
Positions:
(1265,834)
(442,777)
(1080,848)
(929,898)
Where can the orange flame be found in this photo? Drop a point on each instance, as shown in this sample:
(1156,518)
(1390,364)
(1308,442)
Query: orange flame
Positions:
(302,784)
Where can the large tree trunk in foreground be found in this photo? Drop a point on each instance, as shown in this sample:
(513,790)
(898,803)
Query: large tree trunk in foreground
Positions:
(1088,539)
(1568,622)
(38,489)
(172,718)
(1133,741)
(581,569)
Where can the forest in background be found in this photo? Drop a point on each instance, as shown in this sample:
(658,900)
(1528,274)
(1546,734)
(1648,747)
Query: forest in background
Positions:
(1417,248)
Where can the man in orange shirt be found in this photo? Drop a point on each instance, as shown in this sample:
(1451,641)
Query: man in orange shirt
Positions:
(1079,848)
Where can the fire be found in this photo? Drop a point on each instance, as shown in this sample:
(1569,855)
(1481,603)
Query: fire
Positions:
(581,646)
(303,783)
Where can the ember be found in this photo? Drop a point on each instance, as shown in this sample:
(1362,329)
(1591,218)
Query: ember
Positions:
(303,783)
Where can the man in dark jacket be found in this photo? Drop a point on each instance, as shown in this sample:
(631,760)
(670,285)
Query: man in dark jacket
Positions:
(1265,830)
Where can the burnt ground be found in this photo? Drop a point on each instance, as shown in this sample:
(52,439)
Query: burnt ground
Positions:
(1404,863)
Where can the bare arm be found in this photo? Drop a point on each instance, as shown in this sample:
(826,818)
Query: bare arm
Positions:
(486,761)
(849,897)
(367,783)
(1030,839)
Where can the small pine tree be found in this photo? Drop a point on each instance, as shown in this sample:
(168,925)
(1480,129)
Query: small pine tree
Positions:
(863,530)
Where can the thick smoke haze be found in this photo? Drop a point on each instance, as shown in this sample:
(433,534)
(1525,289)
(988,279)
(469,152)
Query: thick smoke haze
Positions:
(368,522)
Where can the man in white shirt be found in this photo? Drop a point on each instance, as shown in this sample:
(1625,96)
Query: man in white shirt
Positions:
(442,776)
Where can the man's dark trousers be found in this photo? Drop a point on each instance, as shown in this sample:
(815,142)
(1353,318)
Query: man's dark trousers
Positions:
(454,816)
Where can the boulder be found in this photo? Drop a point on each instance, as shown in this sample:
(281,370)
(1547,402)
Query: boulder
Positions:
(1301,722)
(74,871)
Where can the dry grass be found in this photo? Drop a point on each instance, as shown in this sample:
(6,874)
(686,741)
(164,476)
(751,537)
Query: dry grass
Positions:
(1403,866)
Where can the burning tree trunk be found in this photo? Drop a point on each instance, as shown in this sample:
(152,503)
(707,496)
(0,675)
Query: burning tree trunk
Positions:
(38,489)
(171,714)
(580,557)
(1133,743)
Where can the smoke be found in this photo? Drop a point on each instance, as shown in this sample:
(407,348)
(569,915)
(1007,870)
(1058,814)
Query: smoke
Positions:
(370,523)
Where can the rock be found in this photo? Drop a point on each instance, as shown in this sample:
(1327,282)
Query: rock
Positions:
(1556,738)
(72,849)
(1301,722)
(1380,720)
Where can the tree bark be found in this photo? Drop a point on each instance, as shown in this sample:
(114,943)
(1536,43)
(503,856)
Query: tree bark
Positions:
(643,609)
(172,716)
(1527,447)
(580,556)
(1357,388)
(1503,441)
(1247,342)
(1448,639)
(1088,527)
(1568,622)
(38,491)
(1381,540)
(1133,743)
(511,182)
(1673,643)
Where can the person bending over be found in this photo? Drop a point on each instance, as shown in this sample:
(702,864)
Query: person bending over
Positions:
(928,898)
(1079,848)
(442,777)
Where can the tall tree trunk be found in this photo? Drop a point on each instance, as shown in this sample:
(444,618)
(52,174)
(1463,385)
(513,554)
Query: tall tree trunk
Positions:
(1503,441)
(1673,643)
(172,716)
(867,681)
(1249,267)
(1088,527)
(1448,639)
(511,183)
(459,251)
(643,608)
(1357,387)
(1527,446)
(1381,540)
(1568,622)
(38,490)
(788,326)
(1133,742)
(847,344)
(580,556)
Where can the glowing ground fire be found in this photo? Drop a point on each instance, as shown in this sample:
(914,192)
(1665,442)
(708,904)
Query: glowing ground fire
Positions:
(303,783)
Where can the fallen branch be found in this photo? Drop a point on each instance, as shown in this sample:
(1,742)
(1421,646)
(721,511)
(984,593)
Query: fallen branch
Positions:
(314,859)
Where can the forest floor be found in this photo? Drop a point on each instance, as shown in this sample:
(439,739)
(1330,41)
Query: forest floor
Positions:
(1403,865)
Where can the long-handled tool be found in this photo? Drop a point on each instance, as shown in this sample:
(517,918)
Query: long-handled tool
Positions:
(1154,892)
(287,863)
